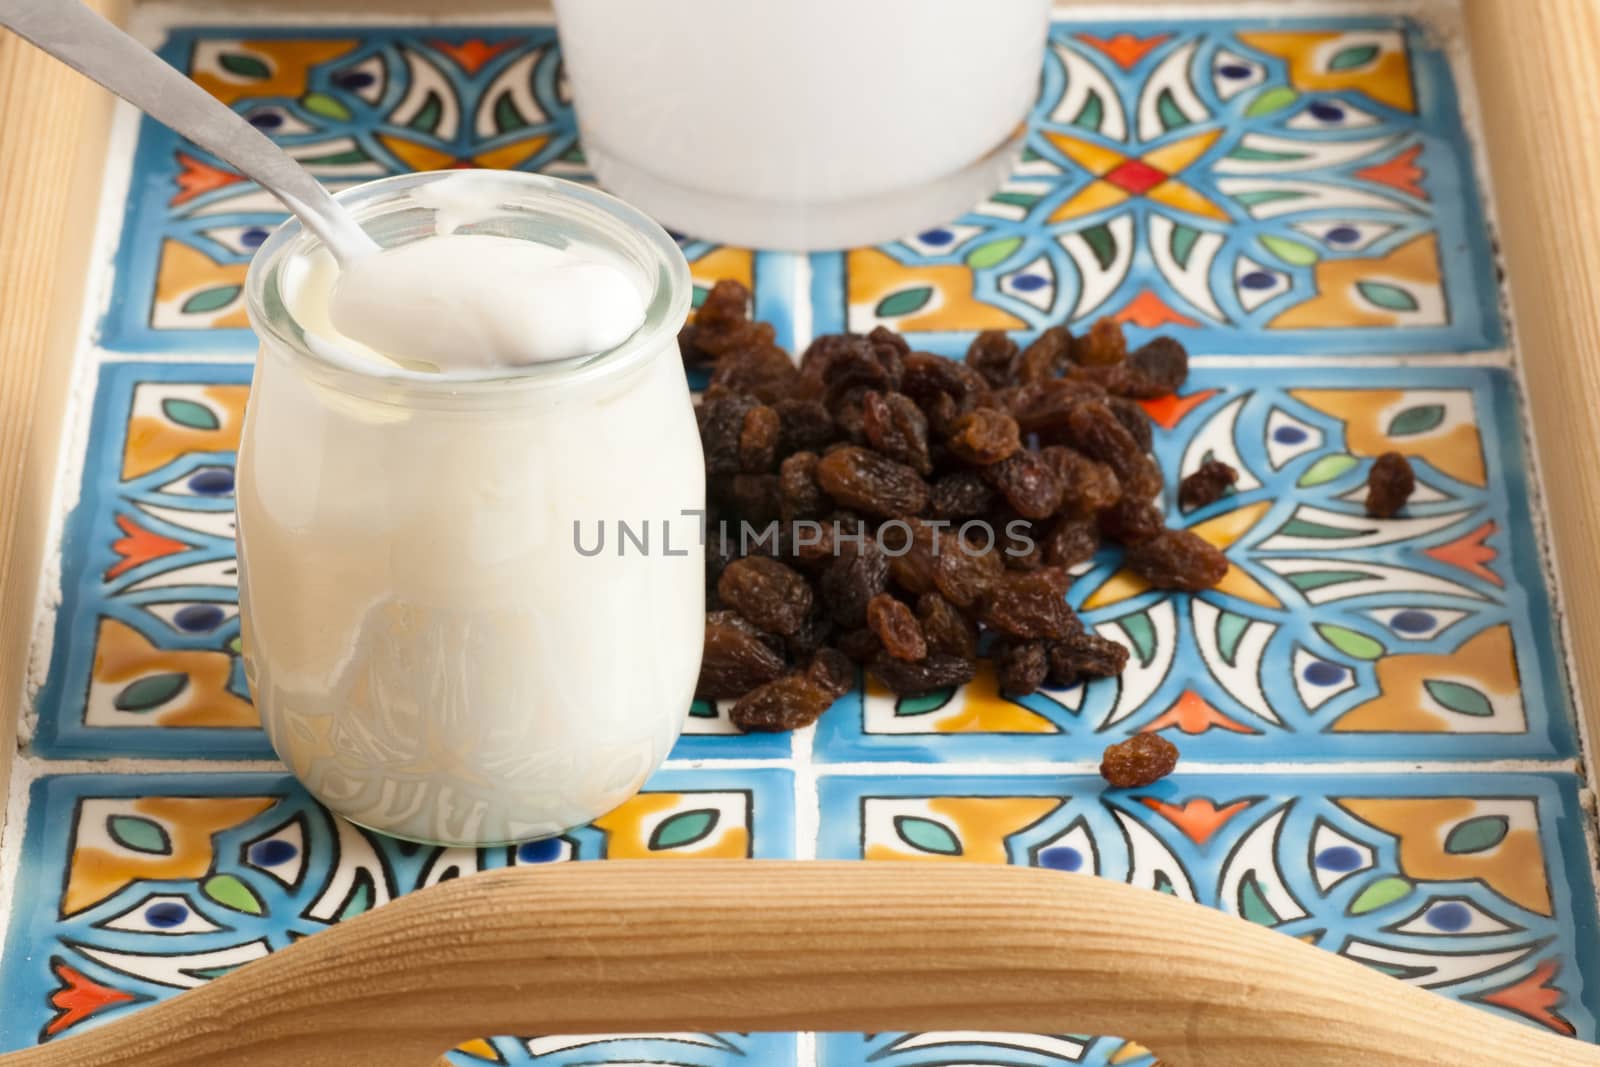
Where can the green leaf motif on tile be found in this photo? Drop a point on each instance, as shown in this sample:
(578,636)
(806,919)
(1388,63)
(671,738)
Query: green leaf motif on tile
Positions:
(359,899)
(1459,698)
(325,105)
(1231,628)
(1142,633)
(1322,531)
(1379,894)
(1327,469)
(428,115)
(244,66)
(906,707)
(1479,834)
(904,302)
(1350,642)
(506,115)
(1182,243)
(236,645)
(150,692)
(1016,199)
(1168,111)
(1354,56)
(684,828)
(1291,252)
(206,974)
(1163,884)
(699,297)
(349,155)
(1091,114)
(1389,297)
(927,835)
(1253,197)
(1275,99)
(138,834)
(987,255)
(1306,581)
(1103,244)
(1253,902)
(703,709)
(212,299)
(233,894)
(1261,155)
(1420,419)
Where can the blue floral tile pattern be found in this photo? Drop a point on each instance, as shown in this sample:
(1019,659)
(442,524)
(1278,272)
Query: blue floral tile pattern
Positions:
(1333,636)
(136,887)
(1473,887)
(145,659)
(351,106)
(1247,187)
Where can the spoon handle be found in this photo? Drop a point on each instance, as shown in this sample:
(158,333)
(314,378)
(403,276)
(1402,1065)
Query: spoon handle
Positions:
(103,53)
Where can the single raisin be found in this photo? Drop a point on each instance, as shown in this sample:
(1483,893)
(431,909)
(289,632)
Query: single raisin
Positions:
(993,354)
(1020,666)
(1177,559)
(800,496)
(1141,760)
(832,671)
(1021,541)
(983,436)
(859,572)
(945,629)
(1088,486)
(1162,366)
(875,484)
(912,556)
(814,632)
(895,426)
(1206,484)
(764,371)
(768,593)
(896,628)
(758,440)
(1047,357)
(929,377)
(891,350)
(756,498)
(961,495)
(721,416)
(1134,419)
(1130,521)
(963,574)
(1028,482)
(1042,407)
(803,425)
(1102,346)
(1071,541)
(933,672)
(1083,656)
(859,645)
(1029,604)
(1390,484)
(788,703)
(734,662)
(1095,430)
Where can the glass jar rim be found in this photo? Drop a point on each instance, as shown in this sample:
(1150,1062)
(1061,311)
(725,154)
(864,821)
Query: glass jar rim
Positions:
(597,218)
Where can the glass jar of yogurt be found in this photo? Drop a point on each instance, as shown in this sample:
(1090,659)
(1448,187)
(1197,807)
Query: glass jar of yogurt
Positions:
(434,646)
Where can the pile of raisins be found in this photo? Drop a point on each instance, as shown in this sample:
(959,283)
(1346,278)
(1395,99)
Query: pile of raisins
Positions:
(923,511)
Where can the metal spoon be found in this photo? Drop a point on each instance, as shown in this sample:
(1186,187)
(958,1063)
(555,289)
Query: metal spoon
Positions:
(95,48)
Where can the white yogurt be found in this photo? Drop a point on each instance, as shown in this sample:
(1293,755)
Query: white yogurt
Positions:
(430,653)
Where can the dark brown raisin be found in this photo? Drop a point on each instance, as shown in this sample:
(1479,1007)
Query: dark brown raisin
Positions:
(993,354)
(768,593)
(1101,346)
(1088,486)
(1141,760)
(1084,656)
(788,703)
(1095,430)
(983,436)
(1206,484)
(763,371)
(877,485)
(858,573)
(1029,604)
(896,627)
(945,628)
(1042,408)
(929,377)
(933,672)
(1390,484)
(1134,419)
(895,426)
(722,548)
(1177,559)
(800,495)
(961,495)
(815,631)
(722,325)
(1047,357)
(912,556)
(1162,366)
(1029,484)
(758,440)
(721,416)
(756,498)
(1071,541)
(832,670)
(1021,541)
(1129,521)
(891,350)
(859,645)
(1020,666)
(804,425)
(963,573)
(734,662)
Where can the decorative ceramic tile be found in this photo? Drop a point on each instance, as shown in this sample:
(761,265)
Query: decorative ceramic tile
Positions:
(1333,635)
(145,656)
(1476,887)
(663,1050)
(351,106)
(134,887)
(1247,187)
